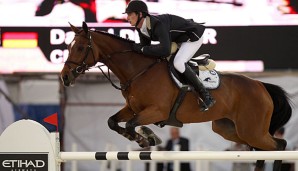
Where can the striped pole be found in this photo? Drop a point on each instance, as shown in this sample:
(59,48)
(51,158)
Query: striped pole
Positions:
(180,155)
(29,137)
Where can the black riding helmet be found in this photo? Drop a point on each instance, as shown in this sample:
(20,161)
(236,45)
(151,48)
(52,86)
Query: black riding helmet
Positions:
(136,6)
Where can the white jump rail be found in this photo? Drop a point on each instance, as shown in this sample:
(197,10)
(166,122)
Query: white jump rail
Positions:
(181,155)
(27,137)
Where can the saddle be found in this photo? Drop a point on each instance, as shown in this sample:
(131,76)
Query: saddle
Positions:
(204,67)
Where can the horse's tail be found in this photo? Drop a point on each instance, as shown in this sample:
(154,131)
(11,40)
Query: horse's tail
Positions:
(282,109)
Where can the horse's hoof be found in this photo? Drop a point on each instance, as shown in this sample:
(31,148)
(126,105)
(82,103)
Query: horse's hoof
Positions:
(149,134)
(145,131)
(128,136)
(144,144)
(154,140)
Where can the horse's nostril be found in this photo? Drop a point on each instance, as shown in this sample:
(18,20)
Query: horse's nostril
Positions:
(65,77)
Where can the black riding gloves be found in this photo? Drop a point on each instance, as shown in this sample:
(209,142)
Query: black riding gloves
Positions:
(137,48)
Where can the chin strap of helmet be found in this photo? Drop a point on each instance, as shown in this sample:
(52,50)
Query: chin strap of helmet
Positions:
(139,20)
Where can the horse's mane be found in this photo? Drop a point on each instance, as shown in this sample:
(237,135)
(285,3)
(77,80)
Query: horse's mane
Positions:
(115,36)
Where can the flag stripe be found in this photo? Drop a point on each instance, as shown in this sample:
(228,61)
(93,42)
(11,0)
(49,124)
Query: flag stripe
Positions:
(19,43)
(20,35)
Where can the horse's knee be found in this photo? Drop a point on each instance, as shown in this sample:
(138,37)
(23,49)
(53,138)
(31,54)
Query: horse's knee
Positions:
(112,123)
(131,125)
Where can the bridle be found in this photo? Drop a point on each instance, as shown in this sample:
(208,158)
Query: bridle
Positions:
(82,67)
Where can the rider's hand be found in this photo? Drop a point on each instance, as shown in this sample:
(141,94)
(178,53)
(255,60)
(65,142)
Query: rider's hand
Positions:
(137,48)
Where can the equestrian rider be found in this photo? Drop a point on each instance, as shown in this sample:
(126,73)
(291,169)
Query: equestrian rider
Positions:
(167,28)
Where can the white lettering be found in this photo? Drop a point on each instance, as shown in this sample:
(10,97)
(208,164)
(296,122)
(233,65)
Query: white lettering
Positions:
(210,36)
(127,34)
(111,31)
(30,163)
(69,37)
(57,36)
(7,163)
(40,163)
(56,56)
(65,55)
(23,163)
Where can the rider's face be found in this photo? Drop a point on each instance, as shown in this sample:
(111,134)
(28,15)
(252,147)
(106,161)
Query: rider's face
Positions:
(132,18)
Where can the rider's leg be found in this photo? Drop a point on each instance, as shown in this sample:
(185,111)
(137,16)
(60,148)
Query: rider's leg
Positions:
(185,53)
(191,76)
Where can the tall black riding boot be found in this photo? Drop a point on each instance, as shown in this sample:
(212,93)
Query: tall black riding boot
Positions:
(193,79)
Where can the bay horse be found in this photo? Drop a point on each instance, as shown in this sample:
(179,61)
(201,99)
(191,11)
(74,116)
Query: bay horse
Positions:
(247,111)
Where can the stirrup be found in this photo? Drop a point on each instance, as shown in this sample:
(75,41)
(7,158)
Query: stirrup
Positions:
(203,107)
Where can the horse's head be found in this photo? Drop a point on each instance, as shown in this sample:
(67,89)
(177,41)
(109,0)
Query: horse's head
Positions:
(89,47)
(80,56)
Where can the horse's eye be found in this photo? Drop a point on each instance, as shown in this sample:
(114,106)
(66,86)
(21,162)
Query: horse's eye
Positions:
(80,48)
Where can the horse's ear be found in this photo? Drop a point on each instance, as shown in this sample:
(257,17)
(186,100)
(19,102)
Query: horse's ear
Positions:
(73,28)
(85,27)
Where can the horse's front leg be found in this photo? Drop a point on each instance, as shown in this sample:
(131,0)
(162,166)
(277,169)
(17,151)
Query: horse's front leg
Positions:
(123,115)
(147,116)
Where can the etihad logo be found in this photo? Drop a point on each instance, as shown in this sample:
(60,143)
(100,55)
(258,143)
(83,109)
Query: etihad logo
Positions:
(24,162)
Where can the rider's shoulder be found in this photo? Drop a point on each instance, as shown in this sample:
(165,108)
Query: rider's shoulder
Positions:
(163,18)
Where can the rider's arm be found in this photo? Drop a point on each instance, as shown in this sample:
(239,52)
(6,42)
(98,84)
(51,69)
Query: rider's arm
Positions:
(144,41)
(162,49)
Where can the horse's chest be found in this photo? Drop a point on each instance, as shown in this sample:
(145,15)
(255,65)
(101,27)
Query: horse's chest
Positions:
(136,103)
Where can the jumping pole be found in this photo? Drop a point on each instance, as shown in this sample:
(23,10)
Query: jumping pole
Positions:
(26,144)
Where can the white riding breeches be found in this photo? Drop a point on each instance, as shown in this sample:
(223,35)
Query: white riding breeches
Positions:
(185,53)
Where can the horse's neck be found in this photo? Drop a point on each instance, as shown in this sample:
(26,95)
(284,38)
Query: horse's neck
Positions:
(127,65)
(124,65)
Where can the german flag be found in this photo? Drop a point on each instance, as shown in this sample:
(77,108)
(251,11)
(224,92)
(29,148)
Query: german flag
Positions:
(19,40)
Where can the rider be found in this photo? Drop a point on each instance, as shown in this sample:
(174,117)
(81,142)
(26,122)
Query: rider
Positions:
(169,28)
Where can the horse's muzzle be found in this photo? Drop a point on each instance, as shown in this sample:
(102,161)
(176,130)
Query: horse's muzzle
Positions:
(65,80)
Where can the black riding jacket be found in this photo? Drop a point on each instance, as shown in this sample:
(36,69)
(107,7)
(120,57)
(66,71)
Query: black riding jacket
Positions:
(169,28)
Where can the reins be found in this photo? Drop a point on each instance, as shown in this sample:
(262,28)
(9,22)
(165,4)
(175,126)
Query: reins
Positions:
(125,86)
(81,68)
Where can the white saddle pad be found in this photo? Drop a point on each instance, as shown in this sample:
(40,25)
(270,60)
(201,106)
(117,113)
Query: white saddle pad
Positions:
(210,79)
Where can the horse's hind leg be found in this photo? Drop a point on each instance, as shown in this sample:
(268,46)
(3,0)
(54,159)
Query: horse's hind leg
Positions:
(258,137)
(260,165)
(226,128)
(281,145)
(123,115)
